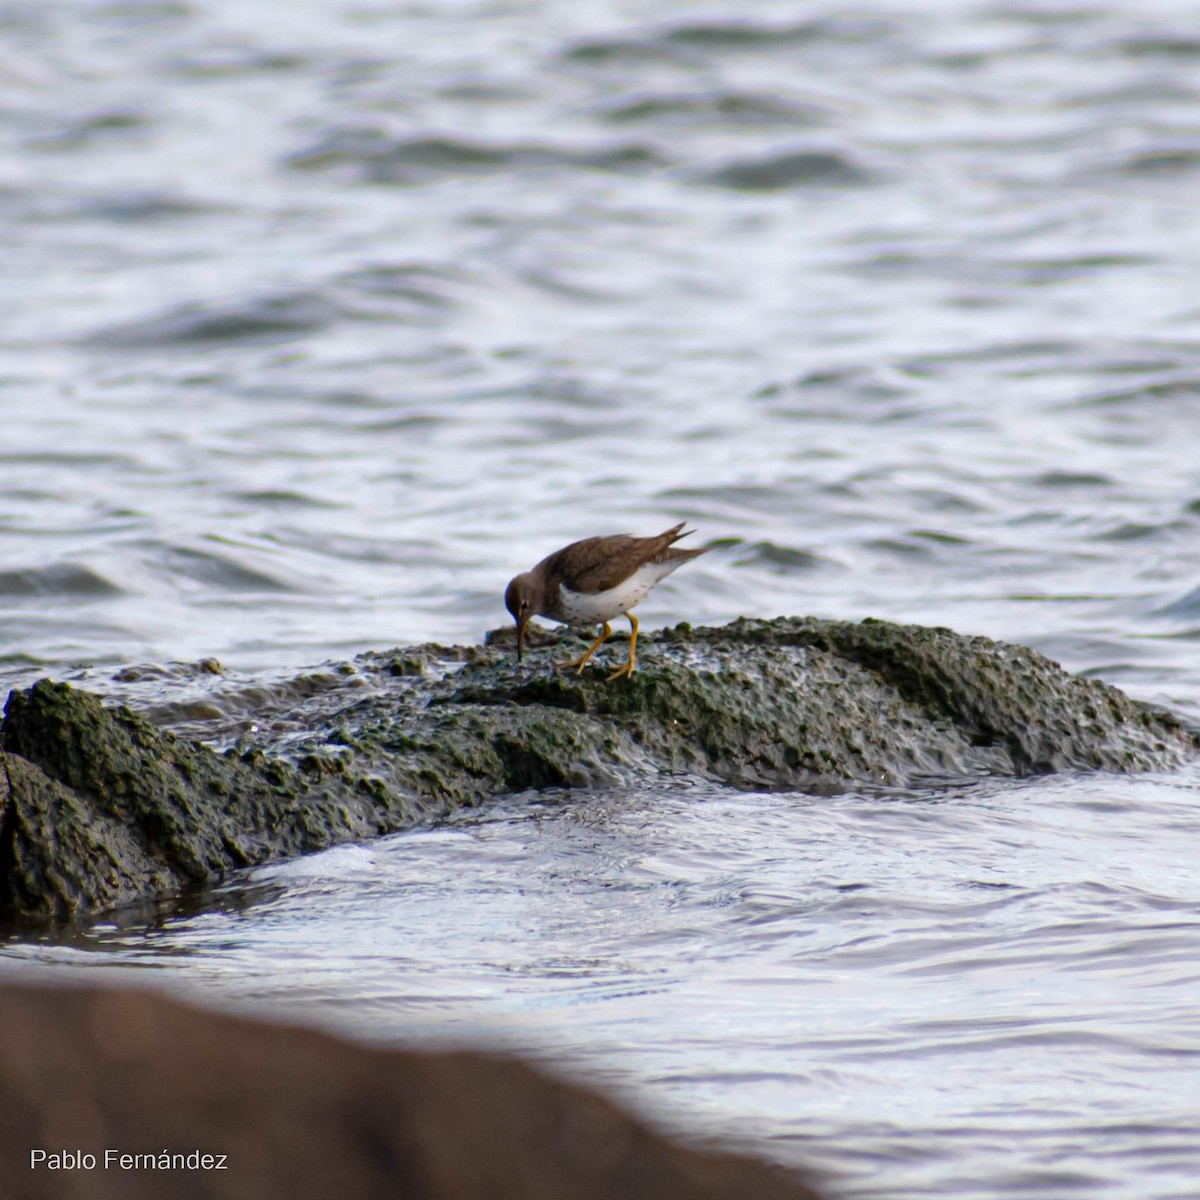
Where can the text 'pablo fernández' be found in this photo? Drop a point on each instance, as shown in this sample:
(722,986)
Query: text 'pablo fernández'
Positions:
(118,1160)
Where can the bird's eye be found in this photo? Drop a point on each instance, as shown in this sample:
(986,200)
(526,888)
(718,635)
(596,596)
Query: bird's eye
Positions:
(524,605)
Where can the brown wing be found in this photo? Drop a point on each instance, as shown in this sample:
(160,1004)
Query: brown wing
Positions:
(599,563)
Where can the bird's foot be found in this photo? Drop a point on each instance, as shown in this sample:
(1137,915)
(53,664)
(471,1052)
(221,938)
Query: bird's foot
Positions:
(582,661)
(626,669)
(577,663)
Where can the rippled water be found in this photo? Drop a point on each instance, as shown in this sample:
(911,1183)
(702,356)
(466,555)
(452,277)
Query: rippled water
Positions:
(320,327)
(986,990)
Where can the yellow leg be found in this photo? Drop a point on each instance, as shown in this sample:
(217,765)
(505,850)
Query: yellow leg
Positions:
(626,668)
(582,661)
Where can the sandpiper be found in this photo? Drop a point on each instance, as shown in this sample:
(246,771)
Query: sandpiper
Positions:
(595,581)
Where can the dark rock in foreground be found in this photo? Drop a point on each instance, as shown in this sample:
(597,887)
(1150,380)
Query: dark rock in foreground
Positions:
(297,1113)
(99,807)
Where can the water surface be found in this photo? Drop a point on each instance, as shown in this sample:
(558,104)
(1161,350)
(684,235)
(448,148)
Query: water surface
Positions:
(319,328)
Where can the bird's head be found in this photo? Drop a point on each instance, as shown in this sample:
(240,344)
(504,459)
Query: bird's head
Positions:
(522,598)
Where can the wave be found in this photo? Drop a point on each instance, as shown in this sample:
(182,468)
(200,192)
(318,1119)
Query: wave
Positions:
(271,318)
(380,157)
(789,169)
(56,579)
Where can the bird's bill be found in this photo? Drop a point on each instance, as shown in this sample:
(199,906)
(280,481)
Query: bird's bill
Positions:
(521,638)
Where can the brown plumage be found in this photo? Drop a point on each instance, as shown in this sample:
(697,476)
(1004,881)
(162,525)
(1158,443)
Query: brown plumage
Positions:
(594,580)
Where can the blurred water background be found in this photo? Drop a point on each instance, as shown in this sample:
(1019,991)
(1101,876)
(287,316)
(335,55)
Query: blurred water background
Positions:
(321,320)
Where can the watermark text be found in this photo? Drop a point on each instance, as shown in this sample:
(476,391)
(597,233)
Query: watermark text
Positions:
(119,1160)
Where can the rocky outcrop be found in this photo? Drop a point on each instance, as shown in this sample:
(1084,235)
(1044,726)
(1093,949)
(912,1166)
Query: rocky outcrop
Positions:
(152,1099)
(98,806)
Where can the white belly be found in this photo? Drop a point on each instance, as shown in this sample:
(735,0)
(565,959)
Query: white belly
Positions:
(579,608)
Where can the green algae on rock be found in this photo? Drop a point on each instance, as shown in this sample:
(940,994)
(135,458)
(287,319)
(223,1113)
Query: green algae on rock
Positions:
(99,807)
